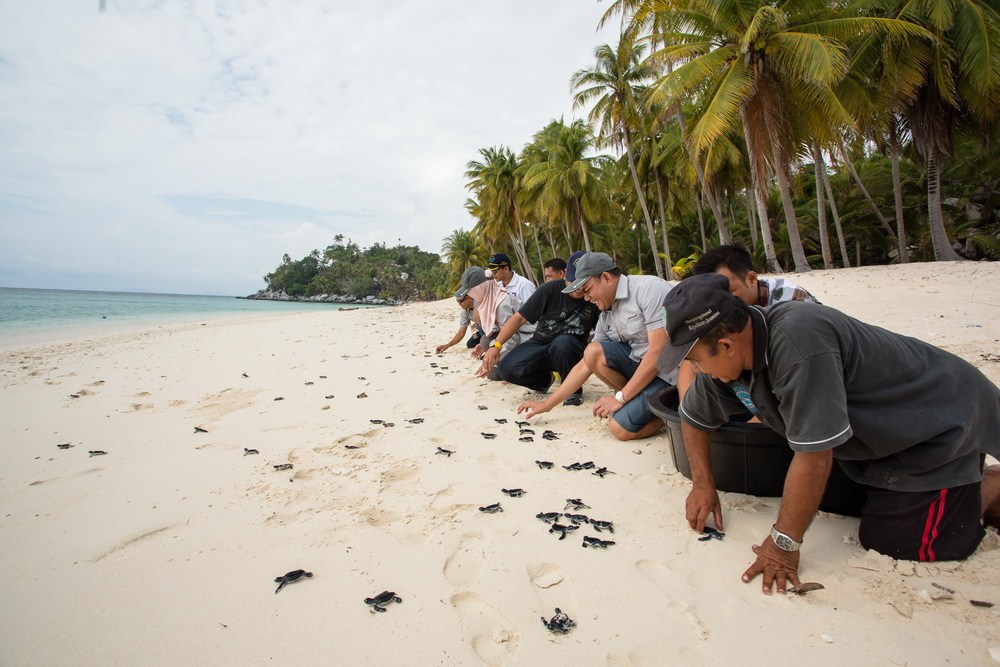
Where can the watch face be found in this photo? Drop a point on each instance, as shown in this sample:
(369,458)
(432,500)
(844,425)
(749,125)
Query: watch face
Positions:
(784,543)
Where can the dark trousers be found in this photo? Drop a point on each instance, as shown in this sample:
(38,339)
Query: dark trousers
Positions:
(531,364)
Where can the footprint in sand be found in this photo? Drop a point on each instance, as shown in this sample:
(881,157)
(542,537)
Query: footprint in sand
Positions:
(467,561)
(553,588)
(490,633)
(668,582)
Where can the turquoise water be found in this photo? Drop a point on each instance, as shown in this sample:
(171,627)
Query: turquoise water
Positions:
(27,311)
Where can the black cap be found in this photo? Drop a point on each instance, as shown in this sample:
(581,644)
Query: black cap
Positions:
(694,307)
(497,260)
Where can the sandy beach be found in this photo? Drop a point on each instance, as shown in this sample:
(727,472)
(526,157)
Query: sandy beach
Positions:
(165,549)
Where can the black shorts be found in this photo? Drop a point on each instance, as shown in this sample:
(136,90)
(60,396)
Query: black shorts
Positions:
(923,525)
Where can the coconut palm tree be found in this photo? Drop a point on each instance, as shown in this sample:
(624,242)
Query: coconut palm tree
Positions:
(462,249)
(614,86)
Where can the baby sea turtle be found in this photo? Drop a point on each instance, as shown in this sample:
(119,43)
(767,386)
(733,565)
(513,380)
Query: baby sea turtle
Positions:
(64,445)
(488,436)
(446,452)
(283,466)
(577,504)
(352,446)
(434,364)
(548,517)
(388,424)
(578,518)
(501,420)
(322,377)
(379,602)
(247,451)
(527,431)
(294,575)
(375,421)
(309,384)
(513,493)
(362,377)
(328,396)
(491,509)
(559,623)
(601,472)
(710,533)
(522,424)
(482,407)
(362,395)
(416,420)
(544,465)
(97,452)
(198,429)
(279,398)
(587,465)
(596,542)
(526,438)
(562,530)
(549,435)
(600,526)
(245,375)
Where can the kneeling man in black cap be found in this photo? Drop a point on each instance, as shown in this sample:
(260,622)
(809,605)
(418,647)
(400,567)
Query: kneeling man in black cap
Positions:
(909,421)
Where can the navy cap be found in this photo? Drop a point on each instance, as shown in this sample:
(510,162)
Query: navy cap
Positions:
(497,260)
(571,264)
(695,307)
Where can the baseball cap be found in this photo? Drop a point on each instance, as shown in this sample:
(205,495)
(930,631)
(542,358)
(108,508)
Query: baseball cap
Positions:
(694,307)
(590,265)
(473,276)
(571,264)
(497,260)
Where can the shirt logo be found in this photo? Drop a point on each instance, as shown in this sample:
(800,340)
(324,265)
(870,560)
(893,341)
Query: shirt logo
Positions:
(743,393)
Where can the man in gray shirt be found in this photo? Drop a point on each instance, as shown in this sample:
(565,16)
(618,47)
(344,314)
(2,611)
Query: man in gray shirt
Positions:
(907,420)
(626,349)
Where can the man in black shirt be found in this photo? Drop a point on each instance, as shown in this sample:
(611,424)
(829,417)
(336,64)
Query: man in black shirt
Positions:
(563,323)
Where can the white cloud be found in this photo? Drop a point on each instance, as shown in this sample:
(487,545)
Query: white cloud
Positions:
(295,121)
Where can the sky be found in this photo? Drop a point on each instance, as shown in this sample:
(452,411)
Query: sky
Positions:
(185,146)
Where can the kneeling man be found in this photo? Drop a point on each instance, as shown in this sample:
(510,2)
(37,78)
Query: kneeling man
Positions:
(909,421)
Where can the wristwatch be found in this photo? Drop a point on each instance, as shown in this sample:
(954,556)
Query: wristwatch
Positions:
(620,397)
(784,542)
(497,344)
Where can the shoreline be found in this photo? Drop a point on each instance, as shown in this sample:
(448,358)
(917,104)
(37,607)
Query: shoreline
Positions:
(165,549)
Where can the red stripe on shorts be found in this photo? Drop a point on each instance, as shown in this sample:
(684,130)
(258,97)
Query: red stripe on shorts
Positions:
(935,512)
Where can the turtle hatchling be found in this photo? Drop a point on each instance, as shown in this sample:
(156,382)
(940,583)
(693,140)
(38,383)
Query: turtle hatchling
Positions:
(513,493)
(97,452)
(549,435)
(64,445)
(488,436)
(559,623)
(711,533)
(601,472)
(596,542)
(283,466)
(578,518)
(491,509)
(380,601)
(548,517)
(544,465)
(288,578)
(416,420)
(526,438)
(247,451)
(602,525)
(562,530)
(577,504)
(501,420)
(198,429)
(446,452)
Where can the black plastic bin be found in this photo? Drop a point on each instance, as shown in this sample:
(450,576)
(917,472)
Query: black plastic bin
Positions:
(751,459)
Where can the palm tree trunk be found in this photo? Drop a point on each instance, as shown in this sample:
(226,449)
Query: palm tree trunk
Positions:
(849,163)
(642,202)
(836,220)
(897,193)
(943,252)
(552,245)
(578,212)
(751,218)
(757,181)
(565,231)
(824,233)
(701,221)
(798,254)
(667,264)
(538,246)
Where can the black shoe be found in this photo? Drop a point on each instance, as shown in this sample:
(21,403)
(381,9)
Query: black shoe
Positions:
(575,399)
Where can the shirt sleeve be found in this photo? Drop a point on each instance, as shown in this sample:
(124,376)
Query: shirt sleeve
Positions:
(651,303)
(812,400)
(465,318)
(708,404)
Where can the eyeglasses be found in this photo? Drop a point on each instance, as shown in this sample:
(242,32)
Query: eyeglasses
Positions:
(592,283)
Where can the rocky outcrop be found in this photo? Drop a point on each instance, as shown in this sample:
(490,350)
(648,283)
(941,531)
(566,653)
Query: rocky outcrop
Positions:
(281,295)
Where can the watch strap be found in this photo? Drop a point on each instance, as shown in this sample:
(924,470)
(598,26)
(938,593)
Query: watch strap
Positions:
(784,542)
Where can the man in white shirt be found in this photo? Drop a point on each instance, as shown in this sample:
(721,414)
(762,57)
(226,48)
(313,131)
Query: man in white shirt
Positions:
(519,286)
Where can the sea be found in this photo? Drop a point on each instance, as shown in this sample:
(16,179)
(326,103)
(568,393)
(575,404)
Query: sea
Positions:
(49,315)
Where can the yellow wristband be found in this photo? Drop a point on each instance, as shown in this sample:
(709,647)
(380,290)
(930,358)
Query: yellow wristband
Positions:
(497,344)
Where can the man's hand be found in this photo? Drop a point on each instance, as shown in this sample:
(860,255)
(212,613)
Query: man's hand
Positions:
(477,352)
(778,566)
(441,348)
(490,359)
(606,406)
(702,502)
(533,408)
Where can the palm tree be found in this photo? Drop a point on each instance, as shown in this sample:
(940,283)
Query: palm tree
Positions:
(614,84)
(461,250)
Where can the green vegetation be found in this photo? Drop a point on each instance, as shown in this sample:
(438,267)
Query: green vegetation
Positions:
(403,273)
(820,133)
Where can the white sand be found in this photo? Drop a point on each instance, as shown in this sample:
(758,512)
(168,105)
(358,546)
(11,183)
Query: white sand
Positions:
(164,551)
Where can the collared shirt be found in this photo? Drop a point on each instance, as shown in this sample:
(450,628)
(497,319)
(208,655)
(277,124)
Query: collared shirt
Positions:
(465,318)
(777,290)
(636,310)
(898,413)
(520,287)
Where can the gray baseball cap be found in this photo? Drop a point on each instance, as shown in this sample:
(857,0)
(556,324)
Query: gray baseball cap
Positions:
(473,276)
(590,265)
